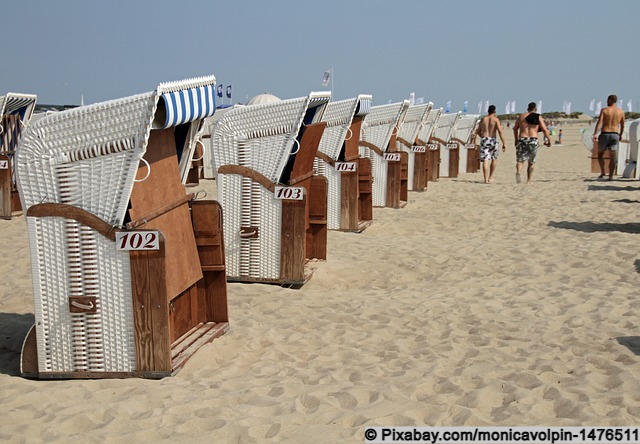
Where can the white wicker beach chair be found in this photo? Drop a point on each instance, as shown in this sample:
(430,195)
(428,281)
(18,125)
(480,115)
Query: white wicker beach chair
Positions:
(82,165)
(407,139)
(15,112)
(377,141)
(442,135)
(334,162)
(254,149)
(463,136)
(622,153)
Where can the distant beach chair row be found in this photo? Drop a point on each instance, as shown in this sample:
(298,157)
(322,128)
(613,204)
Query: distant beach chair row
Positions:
(130,270)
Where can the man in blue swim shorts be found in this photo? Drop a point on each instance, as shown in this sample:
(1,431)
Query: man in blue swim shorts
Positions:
(525,133)
(488,128)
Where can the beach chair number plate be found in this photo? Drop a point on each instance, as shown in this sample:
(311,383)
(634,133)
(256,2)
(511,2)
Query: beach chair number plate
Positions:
(470,146)
(419,149)
(4,164)
(432,147)
(452,146)
(289,193)
(392,157)
(137,240)
(347,167)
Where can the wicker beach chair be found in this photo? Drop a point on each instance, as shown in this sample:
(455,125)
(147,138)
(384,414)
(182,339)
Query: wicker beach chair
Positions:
(349,201)
(407,141)
(15,112)
(389,167)
(469,155)
(447,149)
(128,274)
(622,153)
(263,159)
(432,149)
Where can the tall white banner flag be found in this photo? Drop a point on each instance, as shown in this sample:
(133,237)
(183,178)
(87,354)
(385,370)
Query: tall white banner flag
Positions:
(479,107)
(486,106)
(513,106)
(592,105)
(412,98)
(629,106)
(540,107)
(598,108)
(507,108)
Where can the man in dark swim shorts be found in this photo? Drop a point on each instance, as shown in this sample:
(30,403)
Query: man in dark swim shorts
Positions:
(525,133)
(612,122)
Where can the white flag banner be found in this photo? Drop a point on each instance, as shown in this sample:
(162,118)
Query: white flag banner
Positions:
(592,105)
(479,107)
(620,103)
(568,107)
(540,107)
(412,98)
(629,106)
(486,106)
(598,107)
(507,108)
(447,107)
(513,106)
(419,100)
(325,78)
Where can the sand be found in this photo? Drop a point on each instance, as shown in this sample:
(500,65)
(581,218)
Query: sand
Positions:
(500,304)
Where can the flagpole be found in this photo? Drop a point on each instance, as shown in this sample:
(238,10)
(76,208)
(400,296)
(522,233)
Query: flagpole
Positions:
(332,82)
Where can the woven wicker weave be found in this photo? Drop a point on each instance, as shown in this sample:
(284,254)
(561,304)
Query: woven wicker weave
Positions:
(86,157)
(338,116)
(444,131)
(378,128)
(464,134)
(408,132)
(262,138)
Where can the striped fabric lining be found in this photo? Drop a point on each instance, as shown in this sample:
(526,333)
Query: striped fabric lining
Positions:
(188,105)
(364,106)
(21,104)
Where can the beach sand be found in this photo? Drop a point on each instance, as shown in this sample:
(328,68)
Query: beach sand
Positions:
(479,305)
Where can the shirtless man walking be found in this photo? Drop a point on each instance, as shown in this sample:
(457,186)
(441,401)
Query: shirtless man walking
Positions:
(525,133)
(611,123)
(487,128)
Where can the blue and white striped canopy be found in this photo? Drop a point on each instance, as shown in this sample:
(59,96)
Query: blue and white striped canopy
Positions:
(186,105)
(21,104)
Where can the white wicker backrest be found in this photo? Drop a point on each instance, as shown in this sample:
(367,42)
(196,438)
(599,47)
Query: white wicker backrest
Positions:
(430,124)
(262,137)
(465,127)
(88,156)
(446,126)
(413,121)
(380,123)
(339,116)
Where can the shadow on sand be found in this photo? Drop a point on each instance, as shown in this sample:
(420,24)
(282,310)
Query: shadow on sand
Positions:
(593,227)
(13,329)
(611,188)
(631,342)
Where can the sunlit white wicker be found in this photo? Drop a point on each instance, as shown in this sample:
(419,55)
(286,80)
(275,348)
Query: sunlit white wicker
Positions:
(88,157)
(408,134)
(338,116)
(377,129)
(263,138)
(444,133)
(463,134)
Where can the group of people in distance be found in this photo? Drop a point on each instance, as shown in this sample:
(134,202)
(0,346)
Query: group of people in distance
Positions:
(525,133)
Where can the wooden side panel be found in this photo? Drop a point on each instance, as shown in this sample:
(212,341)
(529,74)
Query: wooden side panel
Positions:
(351,151)
(404,176)
(316,242)
(292,238)
(434,165)
(419,171)
(365,189)
(393,184)
(454,162)
(303,165)
(207,225)
(150,310)
(349,200)
(5,187)
(161,187)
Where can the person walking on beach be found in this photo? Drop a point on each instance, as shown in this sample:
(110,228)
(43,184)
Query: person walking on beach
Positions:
(488,127)
(611,124)
(525,133)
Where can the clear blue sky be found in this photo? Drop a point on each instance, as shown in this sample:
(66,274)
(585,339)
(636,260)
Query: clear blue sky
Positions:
(548,50)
